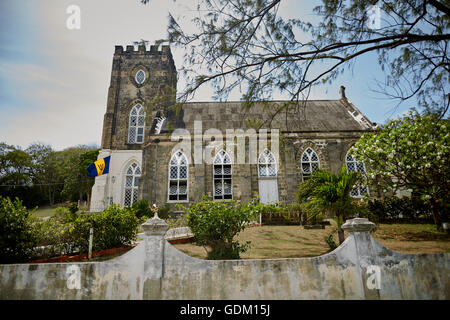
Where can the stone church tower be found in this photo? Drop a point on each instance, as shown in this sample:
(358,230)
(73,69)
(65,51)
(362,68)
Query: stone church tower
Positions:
(147,163)
(137,77)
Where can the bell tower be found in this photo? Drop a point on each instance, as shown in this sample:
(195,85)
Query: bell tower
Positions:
(138,78)
(143,86)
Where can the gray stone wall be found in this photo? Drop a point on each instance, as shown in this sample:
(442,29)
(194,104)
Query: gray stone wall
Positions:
(330,127)
(124,92)
(361,268)
(330,147)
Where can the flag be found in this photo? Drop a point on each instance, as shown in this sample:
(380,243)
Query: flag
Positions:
(99,167)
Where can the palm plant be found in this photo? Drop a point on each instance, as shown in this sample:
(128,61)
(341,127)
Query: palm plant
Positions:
(328,192)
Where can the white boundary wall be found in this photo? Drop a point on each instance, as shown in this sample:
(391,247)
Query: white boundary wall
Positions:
(361,268)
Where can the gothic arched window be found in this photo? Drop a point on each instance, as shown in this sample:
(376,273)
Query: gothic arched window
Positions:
(310,162)
(222,173)
(178,177)
(267,165)
(353,164)
(136,125)
(132,175)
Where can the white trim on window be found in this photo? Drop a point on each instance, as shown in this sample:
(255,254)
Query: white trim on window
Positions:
(309,162)
(131,184)
(267,165)
(140,76)
(136,124)
(178,186)
(222,176)
(353,164)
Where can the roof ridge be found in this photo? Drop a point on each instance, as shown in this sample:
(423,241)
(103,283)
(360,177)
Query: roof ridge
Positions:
(241,101)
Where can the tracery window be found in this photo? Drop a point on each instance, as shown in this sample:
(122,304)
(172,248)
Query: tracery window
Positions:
(132,176)
(310,162)
(222,173)
(353,164)
(140,76)
(178,177)
(136,125)
(267,165)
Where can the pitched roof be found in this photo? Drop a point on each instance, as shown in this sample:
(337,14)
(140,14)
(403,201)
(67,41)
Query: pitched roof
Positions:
(306,116)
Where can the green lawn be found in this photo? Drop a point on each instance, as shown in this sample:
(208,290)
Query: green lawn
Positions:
(48,211)
(269,242)
(44,212)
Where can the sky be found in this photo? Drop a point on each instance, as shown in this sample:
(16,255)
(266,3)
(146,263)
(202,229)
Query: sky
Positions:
(54,81)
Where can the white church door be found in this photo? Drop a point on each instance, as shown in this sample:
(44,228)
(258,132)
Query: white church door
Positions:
(267,178)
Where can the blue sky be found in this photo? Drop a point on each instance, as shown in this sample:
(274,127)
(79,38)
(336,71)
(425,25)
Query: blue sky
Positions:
(54,81)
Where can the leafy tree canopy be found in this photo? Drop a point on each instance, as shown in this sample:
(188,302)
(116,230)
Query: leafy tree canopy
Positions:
(247,44)
(53,175)
(411,153)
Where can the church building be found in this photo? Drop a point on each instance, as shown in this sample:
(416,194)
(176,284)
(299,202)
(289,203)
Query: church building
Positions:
(175,155)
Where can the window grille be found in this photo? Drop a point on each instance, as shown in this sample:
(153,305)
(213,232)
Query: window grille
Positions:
(132,176)
(178,177)
(354,164)
(137,124)
(222,173)
(310,162)
(140,76)
(267,165)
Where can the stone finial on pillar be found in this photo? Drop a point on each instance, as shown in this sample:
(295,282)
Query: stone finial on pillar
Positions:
(358,225)
(155,227)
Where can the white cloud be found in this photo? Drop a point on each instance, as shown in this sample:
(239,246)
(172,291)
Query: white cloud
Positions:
(60,97)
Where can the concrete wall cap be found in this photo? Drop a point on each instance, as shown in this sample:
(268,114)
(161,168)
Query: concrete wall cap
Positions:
(155,227)
(358,225)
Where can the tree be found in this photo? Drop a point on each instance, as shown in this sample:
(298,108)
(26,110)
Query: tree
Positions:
(247,44)
(411,153)
(39,173)
(50,176)
(328,192)
(15,166)
(77,182)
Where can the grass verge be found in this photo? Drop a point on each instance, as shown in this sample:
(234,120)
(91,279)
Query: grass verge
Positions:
(273,242)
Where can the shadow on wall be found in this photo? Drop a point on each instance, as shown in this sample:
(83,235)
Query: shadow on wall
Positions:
(360,268)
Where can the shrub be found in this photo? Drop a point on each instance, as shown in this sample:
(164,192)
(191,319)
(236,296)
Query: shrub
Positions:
(73,207)
(55,237)
(215,224)
(312,218)
(330,242)
(163,212)
(114,227)
(65,215)
(142,209)
(278,213)
(178,222)
(17,231)
(410,209)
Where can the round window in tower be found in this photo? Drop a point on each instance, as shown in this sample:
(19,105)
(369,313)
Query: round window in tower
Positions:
(140,76)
